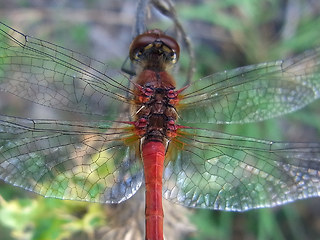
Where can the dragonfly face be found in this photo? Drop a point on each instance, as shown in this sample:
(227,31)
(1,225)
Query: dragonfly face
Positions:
(154,46)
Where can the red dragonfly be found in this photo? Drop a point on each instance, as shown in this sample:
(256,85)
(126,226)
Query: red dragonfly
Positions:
(128,131)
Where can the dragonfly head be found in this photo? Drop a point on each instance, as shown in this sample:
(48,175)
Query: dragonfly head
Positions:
(154,49)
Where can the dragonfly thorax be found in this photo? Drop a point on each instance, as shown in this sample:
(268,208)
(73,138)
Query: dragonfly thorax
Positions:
(155,114)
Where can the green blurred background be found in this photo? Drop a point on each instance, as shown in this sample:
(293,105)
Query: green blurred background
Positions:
(225,35)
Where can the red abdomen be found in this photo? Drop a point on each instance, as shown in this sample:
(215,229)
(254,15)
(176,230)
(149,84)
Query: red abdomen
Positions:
(153,154)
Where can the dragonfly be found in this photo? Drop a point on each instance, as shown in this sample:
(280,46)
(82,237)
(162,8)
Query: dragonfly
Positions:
(115,133)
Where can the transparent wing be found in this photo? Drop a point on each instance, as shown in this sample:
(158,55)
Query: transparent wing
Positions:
(226,172)
(69,160)
(57,77)
(254,93)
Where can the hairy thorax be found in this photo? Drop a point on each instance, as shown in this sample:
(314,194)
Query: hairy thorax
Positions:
(155,100)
